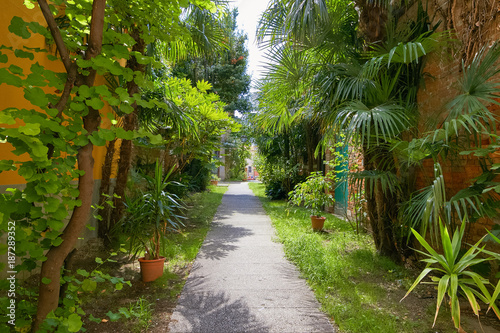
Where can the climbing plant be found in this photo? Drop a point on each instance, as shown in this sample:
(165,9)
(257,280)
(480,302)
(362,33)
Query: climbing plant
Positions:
(55,137)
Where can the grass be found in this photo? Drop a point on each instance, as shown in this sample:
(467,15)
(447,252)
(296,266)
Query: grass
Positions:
(148,306)
(357,288)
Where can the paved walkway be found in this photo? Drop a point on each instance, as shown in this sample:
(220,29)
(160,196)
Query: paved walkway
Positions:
(241,281)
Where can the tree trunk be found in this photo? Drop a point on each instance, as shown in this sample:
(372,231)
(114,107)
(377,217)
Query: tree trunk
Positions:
(371,204)
(310,147)
(372,20)
(381,208)
(48,297)
(129,124)
(103,229)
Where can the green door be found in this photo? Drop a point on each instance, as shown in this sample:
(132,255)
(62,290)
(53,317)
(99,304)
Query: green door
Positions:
(341,191)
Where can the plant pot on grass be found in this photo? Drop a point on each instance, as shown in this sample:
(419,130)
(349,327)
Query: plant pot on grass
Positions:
(149,217)
(215,180)
(314,194)
(151,269)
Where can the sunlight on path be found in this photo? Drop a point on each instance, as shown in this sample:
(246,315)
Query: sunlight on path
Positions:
(241,282)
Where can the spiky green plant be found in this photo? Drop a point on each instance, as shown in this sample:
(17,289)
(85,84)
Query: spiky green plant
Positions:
(452,274)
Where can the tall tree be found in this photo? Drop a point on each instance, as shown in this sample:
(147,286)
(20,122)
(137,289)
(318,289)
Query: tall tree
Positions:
(48,295)
(62,128)
(223,67)
(364,90)
(150,23)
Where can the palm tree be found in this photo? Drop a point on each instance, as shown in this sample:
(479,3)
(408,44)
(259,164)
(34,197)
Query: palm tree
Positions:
(368,93)
(462,132)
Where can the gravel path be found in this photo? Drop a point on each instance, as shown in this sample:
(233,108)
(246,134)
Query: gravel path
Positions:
(241,281)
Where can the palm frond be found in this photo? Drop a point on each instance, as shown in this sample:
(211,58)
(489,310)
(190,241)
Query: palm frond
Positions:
(290,69)
(372,179)
(374,125)
(206,35)
(480,85)
(425,207)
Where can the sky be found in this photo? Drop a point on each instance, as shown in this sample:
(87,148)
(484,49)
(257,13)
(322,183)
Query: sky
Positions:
(249,14)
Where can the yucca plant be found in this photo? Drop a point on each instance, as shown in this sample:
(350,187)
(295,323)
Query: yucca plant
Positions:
(494,296)
(451,272)
(151,215)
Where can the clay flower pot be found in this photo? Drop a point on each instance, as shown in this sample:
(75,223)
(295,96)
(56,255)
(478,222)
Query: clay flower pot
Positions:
(214,182)
(317,222)
(151,269)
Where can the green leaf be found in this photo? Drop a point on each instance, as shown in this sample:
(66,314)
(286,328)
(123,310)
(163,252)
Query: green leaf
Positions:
(423,274)
(6,118)
(203,86)
(3,58)
(84,91)
(74,322)
(24,54)
(60,213)
(89,285)
(82,272)
(97,140)
(107,134)
(9,78)
(113,316)
(30,129)
(442,287)
(98,260)
(15,69)
(119,286)
(19,27)
(125,312)
(76,106)
(123,134)
(46,281)
(36,252)
(52,205)
(36,96)
(95,103)
(7,165)
(156,139)
(28,4)
(56,242)
(55,224)
(143,60)
(94,319)
(38,149)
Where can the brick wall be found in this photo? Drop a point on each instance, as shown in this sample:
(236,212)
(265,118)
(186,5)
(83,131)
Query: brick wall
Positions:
(476,23)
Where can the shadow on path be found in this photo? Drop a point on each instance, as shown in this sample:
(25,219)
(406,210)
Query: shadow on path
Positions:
(215,312)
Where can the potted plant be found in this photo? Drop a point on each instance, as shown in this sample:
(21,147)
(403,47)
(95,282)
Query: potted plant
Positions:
(215,179)
(148,218)
(314,194)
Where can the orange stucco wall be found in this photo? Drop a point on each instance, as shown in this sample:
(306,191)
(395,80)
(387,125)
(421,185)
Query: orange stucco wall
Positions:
(14,97)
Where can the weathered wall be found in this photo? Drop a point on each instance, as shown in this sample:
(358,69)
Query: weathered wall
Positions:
(474,24)
(14,97)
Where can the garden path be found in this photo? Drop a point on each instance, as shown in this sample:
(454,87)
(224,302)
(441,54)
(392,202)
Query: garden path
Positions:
(241,280)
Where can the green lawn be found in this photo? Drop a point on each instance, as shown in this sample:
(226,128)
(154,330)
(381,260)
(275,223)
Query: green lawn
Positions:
(148,306)
(356,287)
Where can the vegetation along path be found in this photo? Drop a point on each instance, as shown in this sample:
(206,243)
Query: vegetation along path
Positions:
(241,281)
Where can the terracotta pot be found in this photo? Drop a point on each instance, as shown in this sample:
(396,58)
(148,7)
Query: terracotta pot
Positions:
(151,269)
(214,182)
(317,222)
